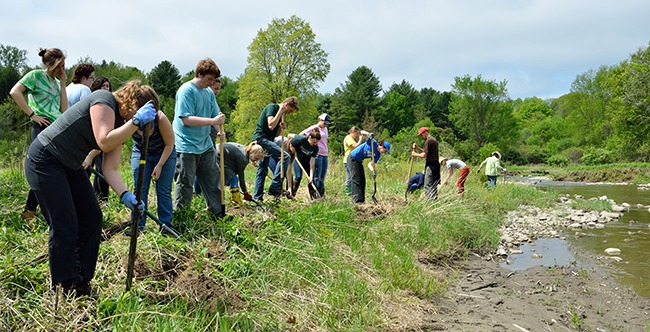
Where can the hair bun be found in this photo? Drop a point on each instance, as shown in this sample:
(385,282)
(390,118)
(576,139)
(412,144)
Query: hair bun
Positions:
(41,52)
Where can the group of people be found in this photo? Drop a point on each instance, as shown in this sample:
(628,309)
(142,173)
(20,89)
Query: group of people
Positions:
(83,126)
(431,179)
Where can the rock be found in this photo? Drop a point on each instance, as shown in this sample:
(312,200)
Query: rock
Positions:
(615,258)
(516,252)
(599,226)
(575,226)
(603,198)
(610,215)
(626,205)
(536,256)
(618,208)
(501,252)
(613,251)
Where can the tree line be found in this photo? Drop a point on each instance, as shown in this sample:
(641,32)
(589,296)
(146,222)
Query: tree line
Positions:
(604,118)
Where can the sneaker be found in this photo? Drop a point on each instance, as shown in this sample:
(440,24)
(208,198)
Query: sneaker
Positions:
(28,215)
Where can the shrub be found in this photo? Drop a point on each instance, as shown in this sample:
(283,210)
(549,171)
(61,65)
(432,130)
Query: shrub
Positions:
(573,154)
(597,156)
(557,160)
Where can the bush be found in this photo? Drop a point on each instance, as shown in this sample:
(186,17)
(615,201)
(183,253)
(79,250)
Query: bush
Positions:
(598,157)
(573,154)
(557,160)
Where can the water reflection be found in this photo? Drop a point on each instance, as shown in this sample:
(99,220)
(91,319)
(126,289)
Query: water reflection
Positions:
(631,233)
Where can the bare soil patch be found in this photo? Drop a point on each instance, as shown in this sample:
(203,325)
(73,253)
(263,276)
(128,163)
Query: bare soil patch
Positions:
(486,297)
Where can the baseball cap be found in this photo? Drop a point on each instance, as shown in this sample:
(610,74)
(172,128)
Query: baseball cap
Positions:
(326,118)
(387,146)
(423,130)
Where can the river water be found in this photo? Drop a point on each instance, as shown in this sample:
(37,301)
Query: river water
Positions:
(631,233)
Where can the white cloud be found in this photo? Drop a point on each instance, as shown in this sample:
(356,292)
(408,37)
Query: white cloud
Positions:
(538,46)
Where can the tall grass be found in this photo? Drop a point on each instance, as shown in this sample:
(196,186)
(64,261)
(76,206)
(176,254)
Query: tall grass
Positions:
(326,265)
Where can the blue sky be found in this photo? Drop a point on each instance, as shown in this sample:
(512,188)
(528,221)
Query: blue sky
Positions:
(538,46)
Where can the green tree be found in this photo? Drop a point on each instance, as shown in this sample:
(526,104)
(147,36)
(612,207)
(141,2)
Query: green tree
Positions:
(165,79)
(284,60)
(118,73)
(435,105)
(399,104)
(482,110)
(13,62)
(631,113)
(589,104)
(355,102)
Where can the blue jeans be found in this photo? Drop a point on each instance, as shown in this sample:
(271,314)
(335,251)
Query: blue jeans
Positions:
(320,171)
(273,150)
(492,181)
(163,185)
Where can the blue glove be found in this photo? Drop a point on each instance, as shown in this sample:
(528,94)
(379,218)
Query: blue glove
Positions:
(132,203)
(145,114)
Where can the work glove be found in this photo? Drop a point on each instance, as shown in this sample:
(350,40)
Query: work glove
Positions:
(145,114)
(248,196)
(374,174)
(132,203)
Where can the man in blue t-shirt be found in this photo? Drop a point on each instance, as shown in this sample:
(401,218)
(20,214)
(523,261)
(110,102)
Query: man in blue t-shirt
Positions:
(195,112)
(267,128)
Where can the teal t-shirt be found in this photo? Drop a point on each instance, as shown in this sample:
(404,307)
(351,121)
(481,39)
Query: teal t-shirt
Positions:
(43,93)
(193,101)
(262,128)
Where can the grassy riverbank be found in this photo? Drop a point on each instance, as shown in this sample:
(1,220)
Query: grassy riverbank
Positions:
(327,265)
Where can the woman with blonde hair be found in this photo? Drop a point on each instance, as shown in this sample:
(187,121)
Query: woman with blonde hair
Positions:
(103,120)
(46,100)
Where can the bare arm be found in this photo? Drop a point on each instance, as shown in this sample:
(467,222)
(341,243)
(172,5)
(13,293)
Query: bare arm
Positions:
(89,158)
(108,137)
(64,94)
(274,120)
(167,134)
(449,172)
(111,170)
(17,94)
(197,121)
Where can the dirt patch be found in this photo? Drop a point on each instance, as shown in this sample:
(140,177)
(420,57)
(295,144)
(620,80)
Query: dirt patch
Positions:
(486,297)
(370,211)
(203,290)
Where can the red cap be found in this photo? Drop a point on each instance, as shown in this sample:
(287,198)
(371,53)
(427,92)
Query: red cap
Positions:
(423,130)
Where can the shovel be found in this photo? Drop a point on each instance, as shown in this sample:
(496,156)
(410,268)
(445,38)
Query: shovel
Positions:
(408,176)
(138,196)
(168,229)
(222,171)
(372,162)
(309,179)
